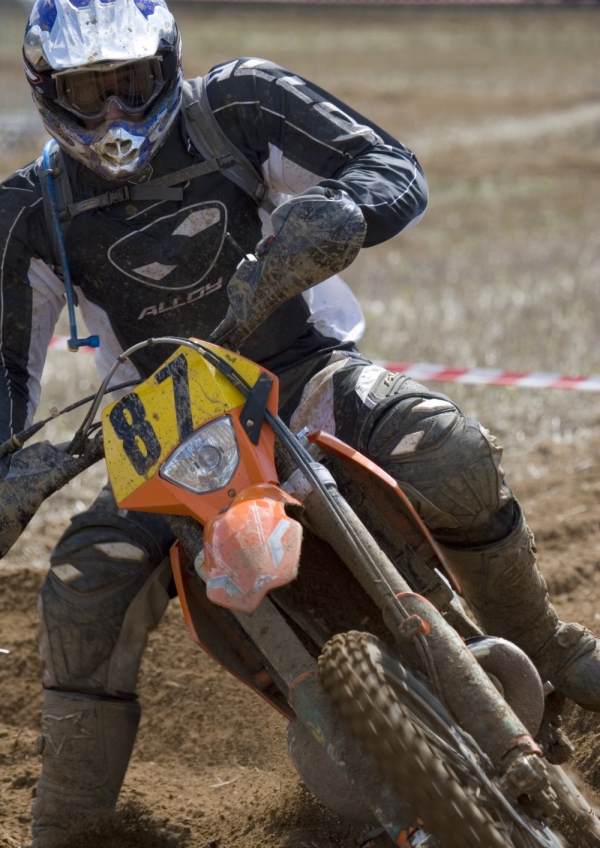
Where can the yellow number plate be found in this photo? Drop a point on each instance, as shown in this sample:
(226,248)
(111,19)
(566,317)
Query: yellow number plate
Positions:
(142,428)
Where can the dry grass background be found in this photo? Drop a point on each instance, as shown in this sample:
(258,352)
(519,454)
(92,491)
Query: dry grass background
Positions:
(502,106)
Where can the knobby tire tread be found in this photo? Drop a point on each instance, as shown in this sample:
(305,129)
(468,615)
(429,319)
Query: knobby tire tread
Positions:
(374,714)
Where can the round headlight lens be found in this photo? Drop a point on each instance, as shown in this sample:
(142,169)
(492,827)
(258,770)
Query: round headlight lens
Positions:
(207,460)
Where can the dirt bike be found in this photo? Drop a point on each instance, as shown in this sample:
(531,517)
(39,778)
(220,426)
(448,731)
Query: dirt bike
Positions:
(302,568)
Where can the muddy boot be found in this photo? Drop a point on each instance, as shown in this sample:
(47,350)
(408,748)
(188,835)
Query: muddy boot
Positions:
(509,595)
(85,744)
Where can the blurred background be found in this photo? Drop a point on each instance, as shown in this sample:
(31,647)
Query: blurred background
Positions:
(501,103)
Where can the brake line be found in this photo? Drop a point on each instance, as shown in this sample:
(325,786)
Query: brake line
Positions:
(17,440)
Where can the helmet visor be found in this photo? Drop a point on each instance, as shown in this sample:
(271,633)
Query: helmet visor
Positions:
(132,86)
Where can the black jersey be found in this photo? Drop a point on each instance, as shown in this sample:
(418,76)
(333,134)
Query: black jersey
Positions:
(161,267)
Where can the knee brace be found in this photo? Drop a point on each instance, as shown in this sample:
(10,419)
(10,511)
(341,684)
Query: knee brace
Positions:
(447,463)
(106,588)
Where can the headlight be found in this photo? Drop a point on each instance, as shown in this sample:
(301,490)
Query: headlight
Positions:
(207,460)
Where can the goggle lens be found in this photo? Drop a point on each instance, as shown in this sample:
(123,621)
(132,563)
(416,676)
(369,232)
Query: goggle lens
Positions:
(133,86)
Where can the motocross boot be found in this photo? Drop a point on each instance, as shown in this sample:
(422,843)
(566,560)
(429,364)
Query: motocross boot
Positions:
(85,744)
(509,595)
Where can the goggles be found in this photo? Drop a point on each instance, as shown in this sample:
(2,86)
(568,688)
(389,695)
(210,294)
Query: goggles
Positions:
(132,86)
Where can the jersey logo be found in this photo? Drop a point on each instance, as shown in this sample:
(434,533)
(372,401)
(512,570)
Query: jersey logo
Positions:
(175,252)
(181,300)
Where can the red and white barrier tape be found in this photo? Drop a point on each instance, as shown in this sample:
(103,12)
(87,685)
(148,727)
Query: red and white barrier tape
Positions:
(427,373)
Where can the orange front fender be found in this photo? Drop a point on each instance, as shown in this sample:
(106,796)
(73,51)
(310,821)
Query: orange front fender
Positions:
(251,548)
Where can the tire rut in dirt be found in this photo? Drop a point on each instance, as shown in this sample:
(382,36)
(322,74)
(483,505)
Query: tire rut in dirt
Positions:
(374,714)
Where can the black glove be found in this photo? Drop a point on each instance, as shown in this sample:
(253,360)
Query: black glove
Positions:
(36,472)
(318,233)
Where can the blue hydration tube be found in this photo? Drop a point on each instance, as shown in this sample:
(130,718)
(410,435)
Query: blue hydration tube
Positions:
(73,343)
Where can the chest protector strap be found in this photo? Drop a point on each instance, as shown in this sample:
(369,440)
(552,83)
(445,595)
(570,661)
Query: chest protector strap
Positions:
(206,137)
(209,140)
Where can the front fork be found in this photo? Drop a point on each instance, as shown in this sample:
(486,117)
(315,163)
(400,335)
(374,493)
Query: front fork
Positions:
(425,639)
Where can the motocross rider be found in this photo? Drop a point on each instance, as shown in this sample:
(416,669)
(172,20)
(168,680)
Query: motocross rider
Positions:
(106,78)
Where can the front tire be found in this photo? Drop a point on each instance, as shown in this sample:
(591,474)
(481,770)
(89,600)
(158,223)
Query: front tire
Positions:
(379,701)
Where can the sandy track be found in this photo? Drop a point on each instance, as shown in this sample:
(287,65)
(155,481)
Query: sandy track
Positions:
(502,272)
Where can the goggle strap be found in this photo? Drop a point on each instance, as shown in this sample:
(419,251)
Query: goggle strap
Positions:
(170,64)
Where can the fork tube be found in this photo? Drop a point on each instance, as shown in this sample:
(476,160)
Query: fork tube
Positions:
(368,563)
(418,626)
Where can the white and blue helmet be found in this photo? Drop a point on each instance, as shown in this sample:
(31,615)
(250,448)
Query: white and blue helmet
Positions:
(84,56)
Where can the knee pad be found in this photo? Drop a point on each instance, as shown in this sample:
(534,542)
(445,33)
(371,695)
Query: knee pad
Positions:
(107,586)
(446,463)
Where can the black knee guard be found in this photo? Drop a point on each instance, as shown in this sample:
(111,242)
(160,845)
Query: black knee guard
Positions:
(107,586)
(446,462)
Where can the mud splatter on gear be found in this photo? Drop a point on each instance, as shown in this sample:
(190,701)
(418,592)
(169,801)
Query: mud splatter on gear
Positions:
(81,58)
(444,461)
(510,597)
(149,268)
(86,743)
(106,589)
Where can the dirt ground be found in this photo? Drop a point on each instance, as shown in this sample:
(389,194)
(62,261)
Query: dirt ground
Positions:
(210,765)
(503,109)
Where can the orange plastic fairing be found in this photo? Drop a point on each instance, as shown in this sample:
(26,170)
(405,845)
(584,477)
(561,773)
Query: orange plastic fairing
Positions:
(252,548)
(213,630)
(390,499)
